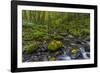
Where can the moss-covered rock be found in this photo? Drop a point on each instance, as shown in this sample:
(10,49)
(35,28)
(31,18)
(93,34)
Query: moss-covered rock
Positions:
(55,45)
(52,59)
(74,52)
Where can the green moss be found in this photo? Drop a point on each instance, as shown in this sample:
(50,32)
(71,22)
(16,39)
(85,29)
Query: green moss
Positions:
(30,48)
(55,45)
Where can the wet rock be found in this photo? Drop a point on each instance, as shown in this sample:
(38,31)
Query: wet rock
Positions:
(42,49)
(43,58)
(33,58)
(38,53)
(25,57)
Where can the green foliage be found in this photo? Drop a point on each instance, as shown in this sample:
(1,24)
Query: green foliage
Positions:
(27,36)
(39,35)
(56,36)
(30,48)
(46,26)
(70,23)
(55,45)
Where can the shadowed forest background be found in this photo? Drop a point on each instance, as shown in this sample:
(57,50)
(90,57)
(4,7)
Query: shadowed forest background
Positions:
(50,36)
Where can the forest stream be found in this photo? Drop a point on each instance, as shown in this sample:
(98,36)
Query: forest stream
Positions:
(55,36)
(63,53)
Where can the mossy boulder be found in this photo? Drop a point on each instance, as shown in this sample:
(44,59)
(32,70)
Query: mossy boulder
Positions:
(30,48)
(74,52)
(55,45)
